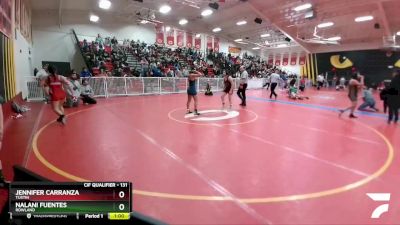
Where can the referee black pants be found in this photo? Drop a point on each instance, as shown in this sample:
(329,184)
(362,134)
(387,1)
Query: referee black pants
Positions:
(273,86)
(394,107)
(242,94)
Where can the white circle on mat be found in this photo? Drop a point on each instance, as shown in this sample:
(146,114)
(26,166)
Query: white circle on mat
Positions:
(229,114)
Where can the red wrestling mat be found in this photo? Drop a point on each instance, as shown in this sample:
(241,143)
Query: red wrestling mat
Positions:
(271,162)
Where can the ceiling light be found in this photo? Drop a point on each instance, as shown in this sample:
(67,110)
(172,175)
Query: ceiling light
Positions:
(243,43)
(334,38)
(266,42)
(323,25)
(207,12)
(309,15)
(398,33)
(167,28)
(104,4)
(303,7)
(94,18)
(282,45)
(217,29)
(265,35)
(364,18)
(198,35)
(239,40)
(242,22)
(255,48)
(144,21)
(183,21)
(164,9)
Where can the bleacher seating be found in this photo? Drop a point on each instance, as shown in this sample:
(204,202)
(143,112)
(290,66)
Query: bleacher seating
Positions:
(125,60)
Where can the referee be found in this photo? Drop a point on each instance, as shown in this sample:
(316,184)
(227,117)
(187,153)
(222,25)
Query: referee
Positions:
(243,85)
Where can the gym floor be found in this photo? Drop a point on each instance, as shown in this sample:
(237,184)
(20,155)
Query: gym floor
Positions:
(273,162)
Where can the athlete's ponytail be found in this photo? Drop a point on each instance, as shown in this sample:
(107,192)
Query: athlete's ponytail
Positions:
(52,70)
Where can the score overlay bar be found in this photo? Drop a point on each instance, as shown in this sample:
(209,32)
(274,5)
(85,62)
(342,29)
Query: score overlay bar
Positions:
(70,198)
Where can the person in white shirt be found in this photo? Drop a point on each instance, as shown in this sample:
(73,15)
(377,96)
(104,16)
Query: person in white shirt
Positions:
(42,77)
(342,83)
(74,91)
(87,93)
(267,82)
(185,71)
(42,73)
(320,80)
(243,85)
(275,78)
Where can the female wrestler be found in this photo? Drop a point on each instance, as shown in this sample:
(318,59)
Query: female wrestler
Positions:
(356,82)
(54,88)
(228,89)
(192,92)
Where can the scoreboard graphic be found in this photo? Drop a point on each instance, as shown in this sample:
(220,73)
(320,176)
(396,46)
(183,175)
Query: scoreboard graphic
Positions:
(86,200)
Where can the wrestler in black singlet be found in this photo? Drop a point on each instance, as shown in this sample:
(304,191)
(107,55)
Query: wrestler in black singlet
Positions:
(227,85)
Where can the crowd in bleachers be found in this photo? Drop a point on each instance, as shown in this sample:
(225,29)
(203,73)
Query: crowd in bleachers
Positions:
(109,57)
(104,56)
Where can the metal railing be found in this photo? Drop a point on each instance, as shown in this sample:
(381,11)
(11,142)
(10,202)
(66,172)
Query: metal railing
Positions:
(133,86)
(80,50)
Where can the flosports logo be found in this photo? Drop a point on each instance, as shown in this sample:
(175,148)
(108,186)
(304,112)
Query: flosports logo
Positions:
(381,209)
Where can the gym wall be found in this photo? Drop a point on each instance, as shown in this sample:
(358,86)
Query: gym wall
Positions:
(375,65)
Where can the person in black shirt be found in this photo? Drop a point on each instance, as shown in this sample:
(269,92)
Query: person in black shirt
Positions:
(384,96)
(394,98)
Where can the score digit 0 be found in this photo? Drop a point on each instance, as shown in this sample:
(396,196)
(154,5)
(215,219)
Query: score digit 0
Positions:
(121,194)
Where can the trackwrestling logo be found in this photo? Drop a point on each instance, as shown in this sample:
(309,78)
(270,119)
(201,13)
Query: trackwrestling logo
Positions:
(379,197)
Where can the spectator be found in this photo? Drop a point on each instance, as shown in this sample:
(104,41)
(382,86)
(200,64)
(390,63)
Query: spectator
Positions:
(85,45)
(335,81)
(302,84)
(342,84)
(87,93)
(178,73)
(208,90)
(144,67)
(114,41)
(85,73)
(74,91)
(42,75)
(320,81)
(368,99)
(292,81)
(167,60)
(185,72)
(107,42)
(267,82)
(100,40)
